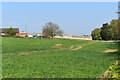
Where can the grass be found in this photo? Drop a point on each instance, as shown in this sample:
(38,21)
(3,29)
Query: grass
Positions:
(35,58)
(11,45)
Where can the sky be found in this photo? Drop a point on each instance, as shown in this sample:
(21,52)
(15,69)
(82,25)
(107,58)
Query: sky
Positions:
(77,18)
(60,0)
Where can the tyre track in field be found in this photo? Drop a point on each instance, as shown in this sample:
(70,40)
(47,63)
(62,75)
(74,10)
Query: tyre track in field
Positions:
(79,47)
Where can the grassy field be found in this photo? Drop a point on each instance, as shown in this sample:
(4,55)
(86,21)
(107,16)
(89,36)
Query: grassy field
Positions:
(37,58)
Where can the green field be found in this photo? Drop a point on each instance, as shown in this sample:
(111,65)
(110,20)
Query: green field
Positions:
(36,58)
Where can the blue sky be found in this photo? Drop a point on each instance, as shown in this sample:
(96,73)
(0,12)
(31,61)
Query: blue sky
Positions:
(77,18)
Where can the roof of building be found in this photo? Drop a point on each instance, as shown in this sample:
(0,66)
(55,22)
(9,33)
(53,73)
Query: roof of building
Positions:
(23,33)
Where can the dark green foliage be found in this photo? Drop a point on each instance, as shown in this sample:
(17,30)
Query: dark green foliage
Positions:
(115,29)
(96,34)
(118,29)
(106,32)
(11,32)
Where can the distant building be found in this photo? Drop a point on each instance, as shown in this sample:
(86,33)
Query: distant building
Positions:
(22,34)
(37,34)
(30,35)
(4,30)
(67,35)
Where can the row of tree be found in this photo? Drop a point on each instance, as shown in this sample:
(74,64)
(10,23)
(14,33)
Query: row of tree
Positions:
(49,29)
(107,31)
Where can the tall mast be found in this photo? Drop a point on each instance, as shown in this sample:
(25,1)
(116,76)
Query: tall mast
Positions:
(26,30)
(118,10)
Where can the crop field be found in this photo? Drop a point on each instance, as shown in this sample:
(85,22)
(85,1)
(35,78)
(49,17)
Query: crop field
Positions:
(55,58)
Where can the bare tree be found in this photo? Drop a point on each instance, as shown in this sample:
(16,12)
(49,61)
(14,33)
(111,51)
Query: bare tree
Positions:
(51,29)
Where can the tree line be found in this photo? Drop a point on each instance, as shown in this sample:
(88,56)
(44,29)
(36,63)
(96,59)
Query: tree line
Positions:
(49,29)
(107,31)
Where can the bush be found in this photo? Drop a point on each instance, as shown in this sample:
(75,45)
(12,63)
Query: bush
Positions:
(17,36)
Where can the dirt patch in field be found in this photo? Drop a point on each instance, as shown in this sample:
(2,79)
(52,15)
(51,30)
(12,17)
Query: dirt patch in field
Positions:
(7,54)
(23,53)
(109,50)
(59,46)
(35,51)
(71,47)
(79,47)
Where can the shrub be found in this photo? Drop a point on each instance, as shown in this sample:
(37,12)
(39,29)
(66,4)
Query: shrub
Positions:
(17,36)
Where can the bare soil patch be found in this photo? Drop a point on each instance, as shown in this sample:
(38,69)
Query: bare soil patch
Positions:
(35,51)
(7,54)
(109,50)
(79,47)
(23,53)
(71,47)
(59,46)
